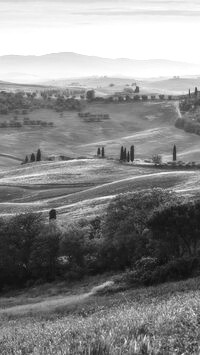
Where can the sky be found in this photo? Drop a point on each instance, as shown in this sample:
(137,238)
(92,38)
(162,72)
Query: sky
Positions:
(137,29)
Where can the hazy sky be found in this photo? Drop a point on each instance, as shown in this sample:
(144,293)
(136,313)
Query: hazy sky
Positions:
(139,29)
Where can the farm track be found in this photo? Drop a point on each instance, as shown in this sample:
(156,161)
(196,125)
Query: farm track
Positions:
(51,303)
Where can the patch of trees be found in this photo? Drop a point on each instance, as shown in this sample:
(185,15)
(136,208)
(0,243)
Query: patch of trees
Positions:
(27,101)
(14,123)
(189,125)
(154,235)
(101,152)
(33,157)
(126,155)
(89,117)
(65,104)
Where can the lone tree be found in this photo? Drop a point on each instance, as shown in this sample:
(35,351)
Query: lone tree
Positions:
(32,159)
(52,214)
(196,91)
(189,93)
(103,152)
(128,157)
(90,95)
(132,154)
(174,153)
(121,153)
(39,155)
(98,151)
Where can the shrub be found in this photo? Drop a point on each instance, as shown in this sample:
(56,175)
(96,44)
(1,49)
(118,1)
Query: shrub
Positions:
(157,159)
(149,272)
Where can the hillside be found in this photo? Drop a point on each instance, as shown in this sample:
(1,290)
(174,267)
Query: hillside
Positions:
(150,126)
(173,85)
(83,186)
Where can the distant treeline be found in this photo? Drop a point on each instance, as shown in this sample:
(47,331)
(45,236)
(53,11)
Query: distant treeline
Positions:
(15,123)
(92,117)
(11,101)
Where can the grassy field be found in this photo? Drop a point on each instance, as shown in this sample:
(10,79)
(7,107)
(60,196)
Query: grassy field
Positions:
(154,320)
(83,187)
(150,126)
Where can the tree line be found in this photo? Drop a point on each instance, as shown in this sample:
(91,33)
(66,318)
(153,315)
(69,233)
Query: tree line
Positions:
(129,155)
(153,235)
(126,155)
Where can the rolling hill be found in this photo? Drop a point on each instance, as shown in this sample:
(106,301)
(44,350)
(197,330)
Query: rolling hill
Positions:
(31,68)
(83,186)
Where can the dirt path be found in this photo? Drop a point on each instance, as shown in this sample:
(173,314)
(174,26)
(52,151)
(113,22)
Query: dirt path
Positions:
(176,104)
(52,303)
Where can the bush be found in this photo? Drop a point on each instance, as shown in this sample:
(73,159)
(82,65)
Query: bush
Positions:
(175,230)
(149,272)
(157,159)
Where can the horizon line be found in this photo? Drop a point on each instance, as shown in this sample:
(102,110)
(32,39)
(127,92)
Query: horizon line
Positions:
(96,56)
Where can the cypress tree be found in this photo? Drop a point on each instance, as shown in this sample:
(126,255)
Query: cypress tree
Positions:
(174,153)
(189,93)
(38,155)
(132,155)
(26,159)
(121,153)
(196,91)
(124,154)
(103,152)
(32,158)
(98,151)
(128,157)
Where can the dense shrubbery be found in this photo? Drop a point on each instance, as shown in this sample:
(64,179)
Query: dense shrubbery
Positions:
(190,108)
(153,234)
(189,125)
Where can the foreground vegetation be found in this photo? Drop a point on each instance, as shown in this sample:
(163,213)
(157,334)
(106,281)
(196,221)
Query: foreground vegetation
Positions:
(155,320)
(152,233)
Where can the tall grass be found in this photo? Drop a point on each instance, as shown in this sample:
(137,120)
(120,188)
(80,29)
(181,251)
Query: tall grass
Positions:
(164,320)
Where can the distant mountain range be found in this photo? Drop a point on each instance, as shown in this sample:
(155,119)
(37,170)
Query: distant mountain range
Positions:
(32,69)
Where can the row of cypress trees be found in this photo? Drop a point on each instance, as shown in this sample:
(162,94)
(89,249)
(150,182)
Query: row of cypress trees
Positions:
(126,155)
(101,152)
(33,157)
(130,155)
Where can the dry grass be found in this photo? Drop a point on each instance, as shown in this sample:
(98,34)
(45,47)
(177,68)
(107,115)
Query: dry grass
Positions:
(157,320)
